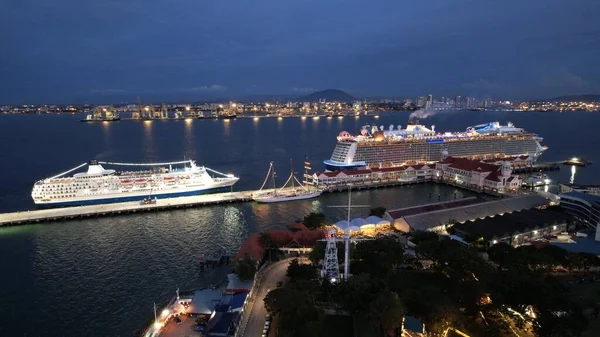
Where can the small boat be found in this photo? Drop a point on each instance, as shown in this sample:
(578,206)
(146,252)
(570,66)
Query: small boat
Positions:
(169,178)
(139,181)
(577,162)
(126,181)
(301,192)
(537,180)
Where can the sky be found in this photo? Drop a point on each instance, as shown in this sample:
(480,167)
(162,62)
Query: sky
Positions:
(78,51)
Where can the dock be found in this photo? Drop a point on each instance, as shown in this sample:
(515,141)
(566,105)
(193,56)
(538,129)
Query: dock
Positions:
(549,166)
(94,211)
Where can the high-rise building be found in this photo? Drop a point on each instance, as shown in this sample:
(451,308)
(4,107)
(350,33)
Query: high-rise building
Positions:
(458,102)
(429,101)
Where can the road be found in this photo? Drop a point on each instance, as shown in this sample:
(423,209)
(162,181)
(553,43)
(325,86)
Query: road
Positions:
(269,279)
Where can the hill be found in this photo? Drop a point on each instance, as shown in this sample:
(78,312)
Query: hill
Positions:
(330,95)
(574,98)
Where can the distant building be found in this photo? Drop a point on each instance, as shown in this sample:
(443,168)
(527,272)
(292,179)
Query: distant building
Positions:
(584,207)
(428,101)
(458,102)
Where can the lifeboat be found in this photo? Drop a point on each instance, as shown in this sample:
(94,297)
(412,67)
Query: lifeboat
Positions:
(169,178)
(128,186)
(126,181)
(140,181)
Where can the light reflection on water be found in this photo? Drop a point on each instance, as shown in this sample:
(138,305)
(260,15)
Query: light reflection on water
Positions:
(101,276)
(148,142)
(573,171)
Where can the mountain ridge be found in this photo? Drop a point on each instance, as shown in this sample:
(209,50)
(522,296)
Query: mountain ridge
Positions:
(330,95)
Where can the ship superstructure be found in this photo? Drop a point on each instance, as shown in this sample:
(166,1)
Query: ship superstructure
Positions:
(378,147)
(152,180)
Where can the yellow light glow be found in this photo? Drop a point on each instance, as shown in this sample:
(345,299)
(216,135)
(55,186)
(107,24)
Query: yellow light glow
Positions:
(255,118)
(279,118)
(303,117)
(376,116)
(157,325)
(164,313)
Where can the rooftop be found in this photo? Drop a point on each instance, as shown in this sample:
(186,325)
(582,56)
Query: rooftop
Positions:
(398,213)
(427,220)
(583,196)
(517,222)
(581,245)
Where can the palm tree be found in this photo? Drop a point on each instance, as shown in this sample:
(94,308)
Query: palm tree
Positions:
(266,241)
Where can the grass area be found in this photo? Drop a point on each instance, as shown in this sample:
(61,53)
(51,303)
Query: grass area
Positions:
(338,326)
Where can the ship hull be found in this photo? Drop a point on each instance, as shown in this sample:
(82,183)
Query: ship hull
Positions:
(282,198)
(350,155)
(136,197)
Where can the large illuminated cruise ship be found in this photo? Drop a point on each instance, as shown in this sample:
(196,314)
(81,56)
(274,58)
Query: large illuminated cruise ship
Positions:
(155,180)
(378,147)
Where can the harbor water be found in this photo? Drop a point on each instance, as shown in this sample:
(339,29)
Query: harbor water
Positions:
(100,277)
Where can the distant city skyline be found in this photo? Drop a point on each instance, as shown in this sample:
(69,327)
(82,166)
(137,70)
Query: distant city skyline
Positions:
(77,52)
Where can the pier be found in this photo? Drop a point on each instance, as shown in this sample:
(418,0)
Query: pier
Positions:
(93,211)
(550,166)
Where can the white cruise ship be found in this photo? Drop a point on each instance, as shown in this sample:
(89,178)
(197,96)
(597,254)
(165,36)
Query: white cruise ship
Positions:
(155,180)
(378,147)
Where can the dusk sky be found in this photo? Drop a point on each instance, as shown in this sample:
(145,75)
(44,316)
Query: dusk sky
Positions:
(88,51)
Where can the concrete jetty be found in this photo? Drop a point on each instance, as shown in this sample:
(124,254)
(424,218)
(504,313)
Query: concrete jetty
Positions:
(91,211)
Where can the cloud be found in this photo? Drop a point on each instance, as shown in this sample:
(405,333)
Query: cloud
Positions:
(205,88)
(563,78)
(481,84)
(108,91)
(303,90)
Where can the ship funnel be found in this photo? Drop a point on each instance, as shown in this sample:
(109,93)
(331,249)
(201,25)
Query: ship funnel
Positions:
(433,128)
(391,127)
(399,127)
(381,127)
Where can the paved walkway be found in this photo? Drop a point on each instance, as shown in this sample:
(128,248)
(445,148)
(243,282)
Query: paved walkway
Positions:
(254,322)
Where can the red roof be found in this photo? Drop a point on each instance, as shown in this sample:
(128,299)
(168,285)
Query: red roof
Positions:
(281,237)
(389,169)
(329,174)
(466,164)
(494,176)
(355,172)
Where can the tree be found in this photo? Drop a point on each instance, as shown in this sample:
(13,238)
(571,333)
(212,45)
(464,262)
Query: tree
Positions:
(377,211)
(245,268)
(294,305)
(377,257)
(422,236)
(266,241)
(314,220)
(386,311)
(318,252)
(297,271)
